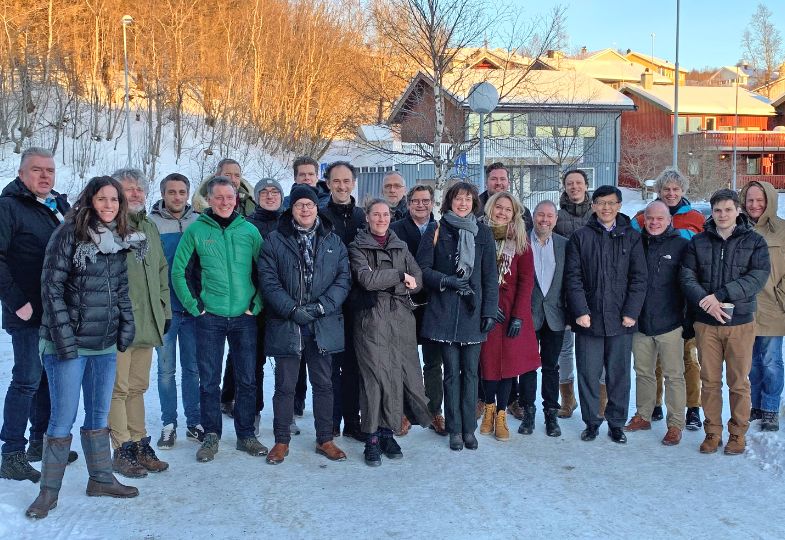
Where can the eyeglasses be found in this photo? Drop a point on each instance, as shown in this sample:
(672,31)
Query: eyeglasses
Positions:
(603,204)
(304,206)
(424,202)
(393,186)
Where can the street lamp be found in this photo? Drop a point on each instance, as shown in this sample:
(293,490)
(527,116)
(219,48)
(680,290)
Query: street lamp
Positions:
(676,94)
(735,130)
(483,98)
(126,20)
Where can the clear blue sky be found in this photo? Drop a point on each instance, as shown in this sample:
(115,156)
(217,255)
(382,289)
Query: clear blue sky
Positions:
(710,30)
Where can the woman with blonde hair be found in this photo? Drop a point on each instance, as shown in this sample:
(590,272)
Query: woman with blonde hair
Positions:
(510,349)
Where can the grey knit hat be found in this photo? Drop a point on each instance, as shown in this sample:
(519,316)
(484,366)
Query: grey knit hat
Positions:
(265,183)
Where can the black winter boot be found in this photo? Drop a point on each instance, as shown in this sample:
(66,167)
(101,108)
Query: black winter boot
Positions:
(35,450)
(527,424)
(770,421)
(389,446)
(98,457)
(372,452)
(55,459)
(552,428)
(16,467)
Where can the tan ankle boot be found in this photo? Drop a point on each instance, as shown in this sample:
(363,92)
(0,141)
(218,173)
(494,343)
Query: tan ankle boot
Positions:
(502,431)
(568,403)
(603,400)
(488,418)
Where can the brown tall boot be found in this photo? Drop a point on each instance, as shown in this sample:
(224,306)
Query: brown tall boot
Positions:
(603,400)
(98,457)
(568,403)
(54,461)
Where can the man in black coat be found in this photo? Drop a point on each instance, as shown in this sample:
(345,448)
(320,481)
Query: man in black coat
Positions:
(30,211)
(306,171)
(724,268)
(410,229)
(497,178)
(605,282)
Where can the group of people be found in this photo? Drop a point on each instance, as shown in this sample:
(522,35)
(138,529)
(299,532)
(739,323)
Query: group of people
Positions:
(351,298)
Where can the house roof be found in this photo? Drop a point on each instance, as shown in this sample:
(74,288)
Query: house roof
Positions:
(655,60)
(706,99)
(606,68)
(498,56)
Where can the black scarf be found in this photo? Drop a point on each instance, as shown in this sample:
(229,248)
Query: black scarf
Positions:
(306,240)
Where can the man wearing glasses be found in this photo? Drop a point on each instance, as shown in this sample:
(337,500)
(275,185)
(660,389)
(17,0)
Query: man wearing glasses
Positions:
(394,190)
(605,280)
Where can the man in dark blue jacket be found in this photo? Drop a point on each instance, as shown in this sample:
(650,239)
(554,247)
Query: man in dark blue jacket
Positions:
(605,282)
(660,325)
(30,211)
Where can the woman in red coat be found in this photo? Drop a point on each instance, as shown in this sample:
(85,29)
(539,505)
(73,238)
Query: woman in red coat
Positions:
(511,349)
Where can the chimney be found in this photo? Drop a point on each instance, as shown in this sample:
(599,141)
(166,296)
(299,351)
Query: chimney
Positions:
(551,54)
(584,51)
(647,79)
(629,51)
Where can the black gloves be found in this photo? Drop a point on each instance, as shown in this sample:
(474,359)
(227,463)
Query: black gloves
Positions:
(301,316)
(487,324)
(453,282)
(167,325)
(515,327)
(500,316)
(315,310)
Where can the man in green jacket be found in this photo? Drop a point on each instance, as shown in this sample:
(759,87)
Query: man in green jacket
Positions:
(148,286)
(213,275)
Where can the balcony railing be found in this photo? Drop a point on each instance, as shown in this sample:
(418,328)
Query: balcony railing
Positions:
(746,141)
(776,180)
(536,150)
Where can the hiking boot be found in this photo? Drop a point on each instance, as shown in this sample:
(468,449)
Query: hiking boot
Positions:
(256,421)
(515,410)
(693,419)
(568,402)
(35,450)
(98,458)
(208,449)
(590,433)
(125,462)
(330,451)
(373,452)
(470,441)
(552,428)
(439,425)
(637,424)
(389,447)
(736,445)
(527,424)
(711,443)
(167,438)
(617,435)
(488,419)
(278,452)
(227,408)
(771,421)
(195,433)
(405,427)
(603,400)
(55,459)
(456,442)
(656,414)
(755,414)
(501,431)
(16,467)
(145,456)
(299,407)
(672,437)
(252,446)
(294,429)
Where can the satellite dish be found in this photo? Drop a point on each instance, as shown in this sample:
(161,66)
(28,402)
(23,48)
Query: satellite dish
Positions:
(483,98)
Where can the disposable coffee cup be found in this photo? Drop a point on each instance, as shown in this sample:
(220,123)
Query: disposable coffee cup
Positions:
(728,308)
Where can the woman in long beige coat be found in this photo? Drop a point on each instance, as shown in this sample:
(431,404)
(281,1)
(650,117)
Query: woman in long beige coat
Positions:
(385,336)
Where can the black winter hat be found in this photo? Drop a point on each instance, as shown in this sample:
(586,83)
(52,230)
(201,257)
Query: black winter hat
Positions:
(303,191)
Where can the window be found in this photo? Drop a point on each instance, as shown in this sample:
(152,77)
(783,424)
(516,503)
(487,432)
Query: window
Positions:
(587,132)
(520,127)
(711,123)
(753,164)
(500,125)
(682,125)
(694,124)
(551,131)
(473,126)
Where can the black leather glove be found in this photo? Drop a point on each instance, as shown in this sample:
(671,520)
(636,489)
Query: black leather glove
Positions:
(453,282)
(500,316)
(301,316)
(515,327)
(487,324)
(167,325)
(315,310)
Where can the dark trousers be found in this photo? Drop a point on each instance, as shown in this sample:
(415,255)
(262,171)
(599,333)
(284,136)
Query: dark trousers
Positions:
(287,369)
(301,389)
(346,382)
(28,393)
(550,347)
(211,332)
(228,386)
(614,354)
(432,375)
(460,386)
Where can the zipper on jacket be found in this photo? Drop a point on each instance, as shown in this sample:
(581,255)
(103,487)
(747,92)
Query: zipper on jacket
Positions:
(109,288)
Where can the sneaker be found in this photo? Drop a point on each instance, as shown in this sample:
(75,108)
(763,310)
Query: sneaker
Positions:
(167,438)
(299,407)
(736,445)
(256,420)
(16,467)
(693,420)
(227,408)
(146,457)
(373,452)
(637,424)
(770,421)
(208,449)
(35,450)
(252,446)
(293,428)
(195,433)
(125,463)
(390,448)
(656,414)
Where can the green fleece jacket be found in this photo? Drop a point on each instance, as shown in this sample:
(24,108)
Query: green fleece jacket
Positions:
(214,269)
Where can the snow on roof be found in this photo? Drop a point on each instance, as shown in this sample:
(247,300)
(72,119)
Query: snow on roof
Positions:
(656,61)
(375,133)
(605,69)
(706,99)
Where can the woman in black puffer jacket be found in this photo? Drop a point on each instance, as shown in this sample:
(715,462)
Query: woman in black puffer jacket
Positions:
(87,318)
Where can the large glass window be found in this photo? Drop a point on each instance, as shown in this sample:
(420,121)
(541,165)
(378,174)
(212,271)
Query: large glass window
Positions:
(694,123)
(500,125)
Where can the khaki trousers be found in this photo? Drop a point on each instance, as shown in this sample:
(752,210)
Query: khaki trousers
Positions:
(668,349)
(692,375)
(733,346)
(126,414)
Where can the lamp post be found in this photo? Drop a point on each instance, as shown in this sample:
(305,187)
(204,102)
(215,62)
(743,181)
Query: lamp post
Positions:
(126,20)
(676,95)
(483,99)
(652,47)
(735,131)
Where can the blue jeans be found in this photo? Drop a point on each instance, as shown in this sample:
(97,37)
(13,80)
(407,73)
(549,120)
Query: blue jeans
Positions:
(183,328)
(211,333)
(94,375)
(766,375)
(26,398)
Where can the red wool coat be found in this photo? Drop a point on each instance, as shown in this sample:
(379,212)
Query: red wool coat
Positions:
(502,357)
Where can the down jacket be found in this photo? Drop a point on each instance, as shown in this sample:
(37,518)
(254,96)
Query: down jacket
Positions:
(572,216)
(281,281)
(84,308)
(605,277)
(684,219)
(734,270)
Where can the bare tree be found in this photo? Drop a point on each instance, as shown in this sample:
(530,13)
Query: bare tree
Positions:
(643,157)
(762,44)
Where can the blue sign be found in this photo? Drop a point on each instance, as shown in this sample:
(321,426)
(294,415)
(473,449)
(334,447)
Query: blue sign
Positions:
(462,165)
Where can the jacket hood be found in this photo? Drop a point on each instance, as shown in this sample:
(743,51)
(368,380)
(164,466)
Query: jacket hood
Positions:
(286,228)
(576,209)
(159,209)
(768,220)
(365,240)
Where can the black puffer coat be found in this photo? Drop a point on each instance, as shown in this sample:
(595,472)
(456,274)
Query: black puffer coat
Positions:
(84,308)
(448,317)
(347,219)
(572,216)
(605,277)
(734,270)
(663,309)
(281,283)
(266,221)
(25,228)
